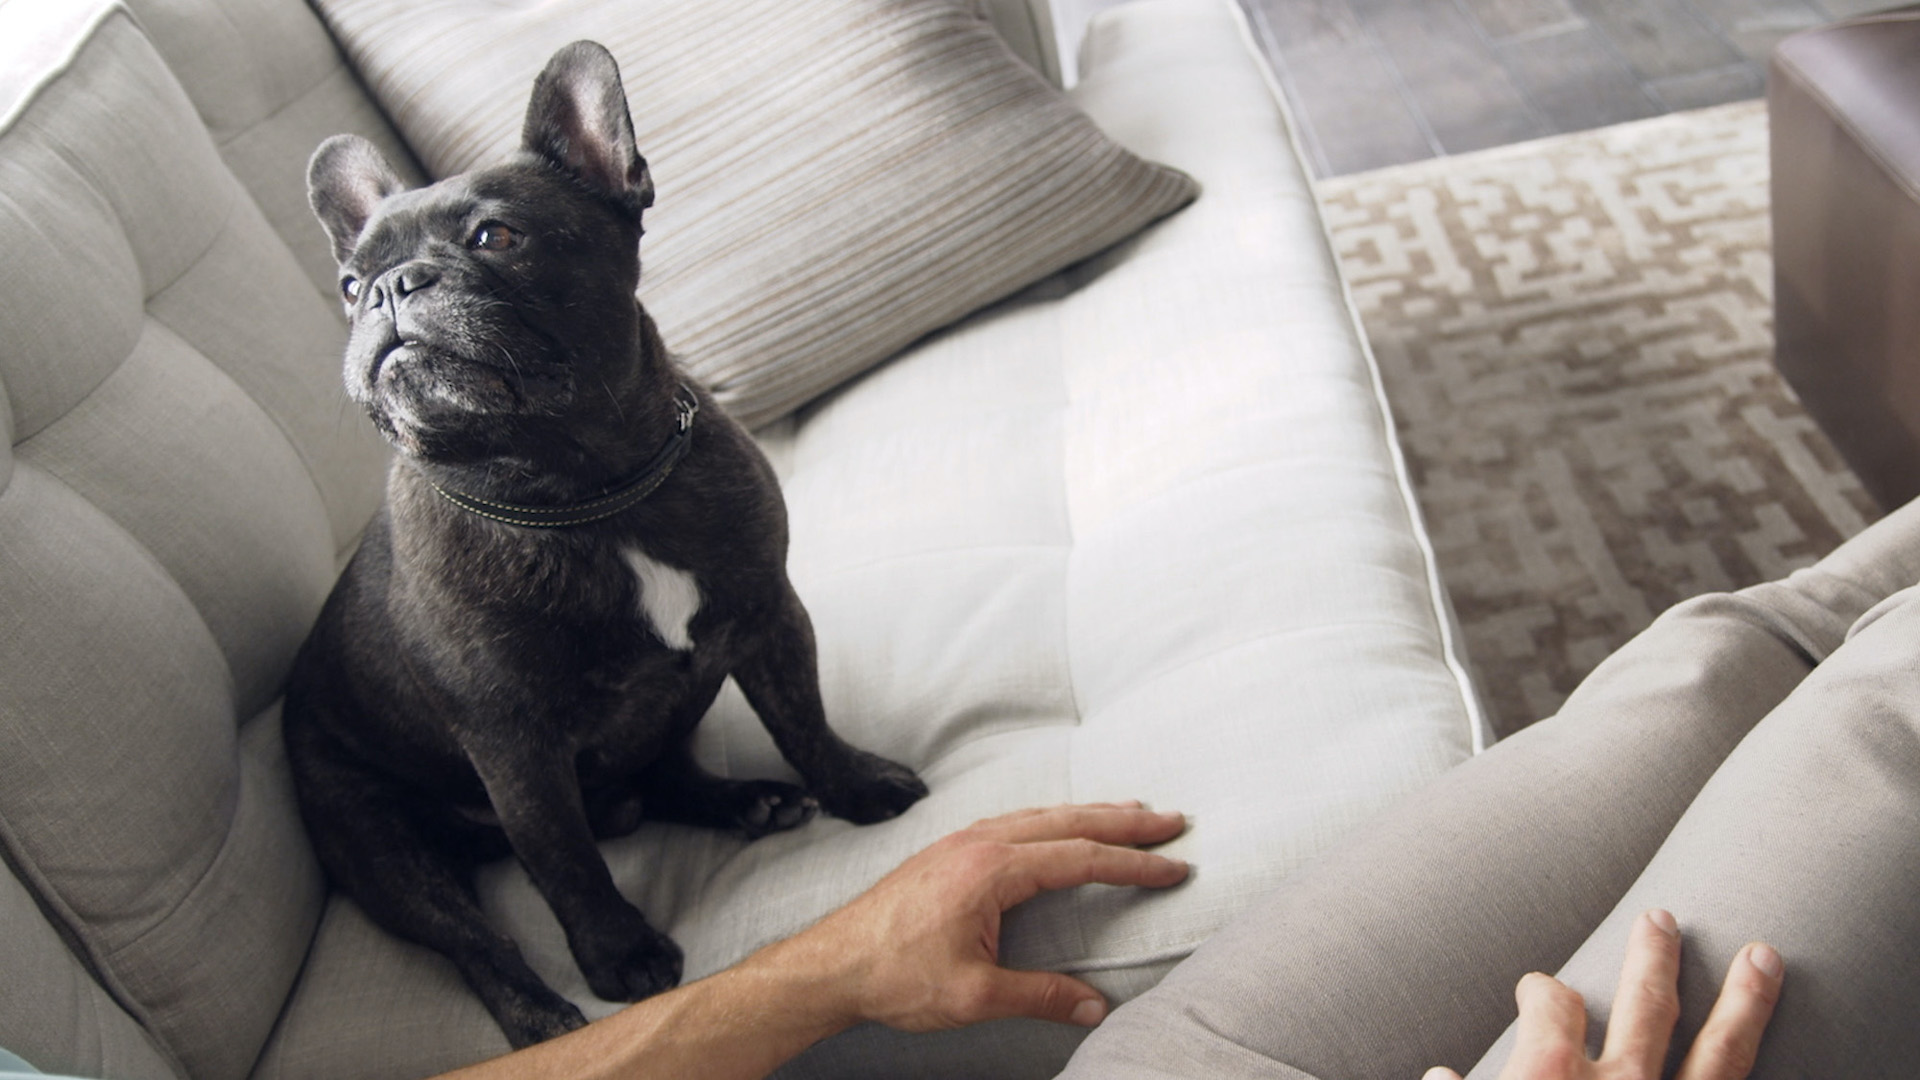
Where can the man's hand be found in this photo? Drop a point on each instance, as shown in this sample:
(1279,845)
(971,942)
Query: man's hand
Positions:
(920,951)
(1553,1018)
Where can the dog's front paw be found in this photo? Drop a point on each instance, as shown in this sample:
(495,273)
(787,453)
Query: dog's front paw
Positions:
(633,962)
(768,806)
(870,789)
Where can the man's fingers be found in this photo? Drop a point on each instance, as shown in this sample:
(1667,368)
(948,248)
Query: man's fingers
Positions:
(1647,1005)
(1043,995)
(1063,864)
(1730,1039)
(1553,1028)
(1108,823)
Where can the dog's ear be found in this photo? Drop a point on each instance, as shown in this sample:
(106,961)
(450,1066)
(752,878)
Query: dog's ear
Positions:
(577,119)
(346,179)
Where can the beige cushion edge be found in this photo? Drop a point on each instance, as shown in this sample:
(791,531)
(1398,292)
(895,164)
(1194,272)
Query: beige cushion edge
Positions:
(1446,623)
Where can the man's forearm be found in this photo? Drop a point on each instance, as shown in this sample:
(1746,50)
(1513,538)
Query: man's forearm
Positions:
(740,1024)
(919,952)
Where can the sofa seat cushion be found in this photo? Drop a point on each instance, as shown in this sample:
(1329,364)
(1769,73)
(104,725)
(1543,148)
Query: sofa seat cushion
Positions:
(836,178)
(1141,532)
(53,1009)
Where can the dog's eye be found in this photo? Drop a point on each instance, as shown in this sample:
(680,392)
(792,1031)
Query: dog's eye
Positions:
(350,288)
(493,236)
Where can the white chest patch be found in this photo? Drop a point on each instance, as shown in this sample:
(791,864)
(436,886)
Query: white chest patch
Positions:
(669,597)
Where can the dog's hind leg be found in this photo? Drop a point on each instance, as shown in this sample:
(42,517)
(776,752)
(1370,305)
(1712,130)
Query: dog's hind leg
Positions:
(426,895)
(410,868)
(675,788)
(536,791)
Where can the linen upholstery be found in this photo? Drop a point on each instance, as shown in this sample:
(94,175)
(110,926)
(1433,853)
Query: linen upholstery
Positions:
(181,472)
(835,178)
(270,85)
(1138,533)
(51,1008)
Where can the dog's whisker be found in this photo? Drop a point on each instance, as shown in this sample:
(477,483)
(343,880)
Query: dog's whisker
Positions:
(618,411)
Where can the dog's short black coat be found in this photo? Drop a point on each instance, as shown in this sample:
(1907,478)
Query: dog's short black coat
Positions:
(475,689)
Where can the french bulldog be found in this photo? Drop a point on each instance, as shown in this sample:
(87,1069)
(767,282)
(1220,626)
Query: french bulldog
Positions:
(576,549)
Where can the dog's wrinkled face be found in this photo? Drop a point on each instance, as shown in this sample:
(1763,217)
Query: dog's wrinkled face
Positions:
(483,298)
(495,300)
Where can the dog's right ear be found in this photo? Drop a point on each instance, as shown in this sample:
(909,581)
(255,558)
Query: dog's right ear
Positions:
(346,179)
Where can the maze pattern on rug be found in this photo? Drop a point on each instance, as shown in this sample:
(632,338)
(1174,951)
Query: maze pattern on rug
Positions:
(1576,336)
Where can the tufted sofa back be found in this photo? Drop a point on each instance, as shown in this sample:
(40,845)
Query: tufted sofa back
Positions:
(179,479)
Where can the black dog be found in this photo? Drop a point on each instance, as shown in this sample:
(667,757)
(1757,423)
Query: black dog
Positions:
(577,548)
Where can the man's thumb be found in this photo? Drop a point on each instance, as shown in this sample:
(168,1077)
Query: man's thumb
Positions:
(1047,995)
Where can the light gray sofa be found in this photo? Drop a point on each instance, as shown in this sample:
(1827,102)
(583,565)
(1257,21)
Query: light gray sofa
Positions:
(1140,531)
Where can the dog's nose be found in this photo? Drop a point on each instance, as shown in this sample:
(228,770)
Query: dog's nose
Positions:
(412,277)
(402,281)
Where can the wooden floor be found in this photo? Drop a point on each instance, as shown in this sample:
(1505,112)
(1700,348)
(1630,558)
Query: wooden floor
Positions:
(1380,82)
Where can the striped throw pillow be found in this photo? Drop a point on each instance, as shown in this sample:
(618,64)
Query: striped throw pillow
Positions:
(835,178)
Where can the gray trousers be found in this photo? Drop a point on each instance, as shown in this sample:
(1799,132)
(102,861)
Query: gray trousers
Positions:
(1751,762)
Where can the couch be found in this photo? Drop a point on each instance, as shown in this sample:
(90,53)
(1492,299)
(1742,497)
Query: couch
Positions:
(1139,530)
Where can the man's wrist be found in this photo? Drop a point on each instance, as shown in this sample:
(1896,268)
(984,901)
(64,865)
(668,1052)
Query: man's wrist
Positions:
(816,987)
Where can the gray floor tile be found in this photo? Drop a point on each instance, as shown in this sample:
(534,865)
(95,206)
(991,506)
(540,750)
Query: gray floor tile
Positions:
(1576,79)
(1660,38)
(1756,26)
(1349,100)
(1735,82)
(1500,19)
(1309,24)
(1380,82)
(1454,79)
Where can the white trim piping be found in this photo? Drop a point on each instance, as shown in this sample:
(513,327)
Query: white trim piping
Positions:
(1481,732)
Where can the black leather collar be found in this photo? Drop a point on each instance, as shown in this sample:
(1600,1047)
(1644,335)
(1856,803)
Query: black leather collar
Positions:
(604,505)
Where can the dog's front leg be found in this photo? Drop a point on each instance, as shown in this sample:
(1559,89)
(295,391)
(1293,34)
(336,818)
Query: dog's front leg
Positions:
(779,673)
(536,793)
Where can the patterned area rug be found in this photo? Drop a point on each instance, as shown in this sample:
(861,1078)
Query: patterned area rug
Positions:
(1576,335)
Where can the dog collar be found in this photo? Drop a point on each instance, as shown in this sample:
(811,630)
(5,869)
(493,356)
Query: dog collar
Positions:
(602,506)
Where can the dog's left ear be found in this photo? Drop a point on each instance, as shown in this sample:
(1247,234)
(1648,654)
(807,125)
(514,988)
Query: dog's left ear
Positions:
(578,120)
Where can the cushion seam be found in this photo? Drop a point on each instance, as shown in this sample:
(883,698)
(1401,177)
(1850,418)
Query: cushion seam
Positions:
(223,141)
(307,463)
(234,194)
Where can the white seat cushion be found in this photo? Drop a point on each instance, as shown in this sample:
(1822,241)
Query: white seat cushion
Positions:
(1141,532)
